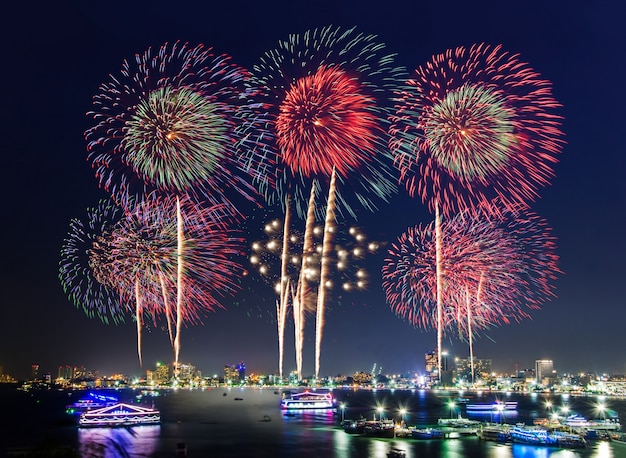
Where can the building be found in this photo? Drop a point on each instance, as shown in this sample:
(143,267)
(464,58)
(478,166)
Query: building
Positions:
(161,375)
(544,371)
(482,369)
(234,374)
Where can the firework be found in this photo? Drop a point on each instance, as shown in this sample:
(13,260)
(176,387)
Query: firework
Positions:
(324,92)
(168,242)
(83,269)
(474,126)
(492,270)
(283,242)
(167,122)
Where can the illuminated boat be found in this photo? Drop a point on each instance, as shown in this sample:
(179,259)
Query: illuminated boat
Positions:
(120,414)
(492,407)
(308,400)
(533,435)
(92,401)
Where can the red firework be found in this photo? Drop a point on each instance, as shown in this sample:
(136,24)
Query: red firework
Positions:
(144,248)
(326,122)
(493,271)
(475,124)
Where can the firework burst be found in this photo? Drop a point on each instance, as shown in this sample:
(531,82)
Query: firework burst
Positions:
(167,122)
(475,124)
(84,266)
(493,271)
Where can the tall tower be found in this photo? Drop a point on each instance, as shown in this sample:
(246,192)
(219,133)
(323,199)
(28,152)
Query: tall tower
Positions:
(543,369)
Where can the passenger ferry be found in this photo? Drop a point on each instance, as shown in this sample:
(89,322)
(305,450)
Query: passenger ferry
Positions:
(120,414)
(308,400)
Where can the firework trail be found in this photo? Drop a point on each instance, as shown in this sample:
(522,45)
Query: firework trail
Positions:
(168,124)
(325,121)
(83,260)
(471,126)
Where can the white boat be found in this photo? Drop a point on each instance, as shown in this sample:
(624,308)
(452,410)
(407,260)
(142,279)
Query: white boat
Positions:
(308,400)
(534,435)
(493,407)
(120,414)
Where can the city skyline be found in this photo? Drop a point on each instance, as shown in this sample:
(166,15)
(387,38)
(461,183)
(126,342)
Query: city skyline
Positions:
(63,52)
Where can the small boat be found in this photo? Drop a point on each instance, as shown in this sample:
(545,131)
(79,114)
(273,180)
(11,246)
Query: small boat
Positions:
(238,399)
(459,422)
(308,400)
(533,435)
(495,433)
(427,433)
(354,426)
(378,428)
(396,453)
(567,440)
(120,414)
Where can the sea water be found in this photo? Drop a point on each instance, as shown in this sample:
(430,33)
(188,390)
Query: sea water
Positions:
(248,422)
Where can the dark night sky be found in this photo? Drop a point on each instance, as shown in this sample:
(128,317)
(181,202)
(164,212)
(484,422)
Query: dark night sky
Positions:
(55,55)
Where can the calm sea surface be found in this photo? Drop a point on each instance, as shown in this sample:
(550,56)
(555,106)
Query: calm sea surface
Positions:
(212,423)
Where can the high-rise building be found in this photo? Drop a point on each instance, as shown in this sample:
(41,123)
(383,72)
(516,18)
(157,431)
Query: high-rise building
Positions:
(34,372)
(543,370)
(235,374)
(65,372)
(482,369)
(161,375)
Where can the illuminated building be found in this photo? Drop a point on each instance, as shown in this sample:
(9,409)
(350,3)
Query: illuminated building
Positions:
(234,374)
(34,372)
(482,369)
(544,371)
(65,372)
(161,375)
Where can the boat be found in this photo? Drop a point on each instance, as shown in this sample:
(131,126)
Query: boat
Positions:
(380,428)
(120,414)
(459,422)
(568,440)
(396,453)
(308,400)
(533,435)
(492,407)
(495,433)
(354,426)
(427,433)
(91,401)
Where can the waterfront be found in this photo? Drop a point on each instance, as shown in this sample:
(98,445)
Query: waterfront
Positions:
(212,423)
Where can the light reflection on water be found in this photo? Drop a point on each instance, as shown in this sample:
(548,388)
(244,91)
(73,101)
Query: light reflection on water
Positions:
(118,442)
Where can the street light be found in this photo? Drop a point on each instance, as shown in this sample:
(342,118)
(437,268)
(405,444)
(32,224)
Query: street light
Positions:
(402,412)
(380,412)
(451,406)
(343,409)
